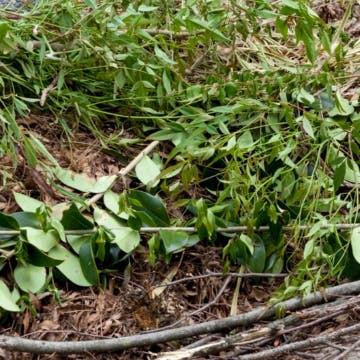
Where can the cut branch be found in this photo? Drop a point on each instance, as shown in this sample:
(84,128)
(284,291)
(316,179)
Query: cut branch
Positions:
(45,92)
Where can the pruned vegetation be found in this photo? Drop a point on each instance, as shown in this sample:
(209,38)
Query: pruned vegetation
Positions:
(134,134)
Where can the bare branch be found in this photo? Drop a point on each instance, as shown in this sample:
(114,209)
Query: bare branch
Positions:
(268,354)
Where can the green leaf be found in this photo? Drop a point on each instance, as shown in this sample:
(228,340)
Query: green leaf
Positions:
(4,28)
(70,267)
(166,82)
(307,127)
(304,97)
(325,40)
(177,240)
(112,202)
(27,203)
(88,264)
(149,209)
(36,257)
(8,222)
(43,240)
(91,3)
(172,171)
(76,241)
(355,243)
(125,238)
(147,171)
(311,51)
(163,56)
(40,146)
(6,299)
(282,26)
(352,173)
(82,182)
(30,153)
(291,4)
(342,106)
(29,277)
(201,24)
(287,185)
(69,194)
(231,143)
(26,219)
(256,262)
(247,241)
(237,251)
(316,228)
(245,141)
(72,219)
(309,249)
(58,227)
(339,175)
(303,32)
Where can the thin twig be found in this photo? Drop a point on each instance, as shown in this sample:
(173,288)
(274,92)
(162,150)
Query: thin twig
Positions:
(335,346)
(311,323)
(45,92)
(348,351)
(220,274)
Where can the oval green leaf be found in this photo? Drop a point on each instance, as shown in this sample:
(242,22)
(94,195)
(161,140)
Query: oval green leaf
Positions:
(27,203)
(126,238)
(26,218)
(72,219)
(149,208)
(88,264)
(70,267)
(42,240)
(38,258)
(355,243)
(6,299)
(84,183)
(147,171)
(29,277)
(177,240)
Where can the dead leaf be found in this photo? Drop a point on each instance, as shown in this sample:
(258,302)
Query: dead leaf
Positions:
(49,325)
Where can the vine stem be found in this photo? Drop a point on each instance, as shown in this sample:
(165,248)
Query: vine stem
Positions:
(192,229)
